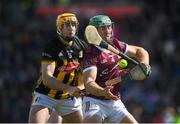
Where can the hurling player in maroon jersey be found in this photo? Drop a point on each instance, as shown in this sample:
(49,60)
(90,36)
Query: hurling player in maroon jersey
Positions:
(103,103)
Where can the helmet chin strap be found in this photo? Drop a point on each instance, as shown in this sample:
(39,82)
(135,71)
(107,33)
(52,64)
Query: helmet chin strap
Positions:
(66,38)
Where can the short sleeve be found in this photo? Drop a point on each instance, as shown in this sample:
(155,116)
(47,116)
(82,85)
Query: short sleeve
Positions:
(49,53)
(90,58)
(122,46)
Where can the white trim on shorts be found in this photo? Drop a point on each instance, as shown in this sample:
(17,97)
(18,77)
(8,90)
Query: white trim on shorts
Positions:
(62,106)
(111,111)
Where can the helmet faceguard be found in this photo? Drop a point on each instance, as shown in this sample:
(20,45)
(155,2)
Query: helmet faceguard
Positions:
(64,19)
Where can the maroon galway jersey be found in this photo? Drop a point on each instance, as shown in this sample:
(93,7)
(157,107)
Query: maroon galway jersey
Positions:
(106,63)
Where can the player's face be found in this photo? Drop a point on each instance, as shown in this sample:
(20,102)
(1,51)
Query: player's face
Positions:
(69,29)
(105,32)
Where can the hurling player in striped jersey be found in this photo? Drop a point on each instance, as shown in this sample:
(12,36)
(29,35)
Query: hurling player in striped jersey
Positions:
(59,87)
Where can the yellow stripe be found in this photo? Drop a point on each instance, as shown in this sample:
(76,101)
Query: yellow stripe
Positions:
(33,98)
(48,62)
(65,61)
(79,78)
(39,80)
(71,77)
(60,77)
(64,95)
(52,93)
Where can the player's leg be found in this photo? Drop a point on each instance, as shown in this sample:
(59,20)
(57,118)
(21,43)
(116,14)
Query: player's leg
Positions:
(42,109)
(55,118)
(39,114)
(76,117)
(91,110)
(95,118)
(70,110)
(128,119)
(119,113)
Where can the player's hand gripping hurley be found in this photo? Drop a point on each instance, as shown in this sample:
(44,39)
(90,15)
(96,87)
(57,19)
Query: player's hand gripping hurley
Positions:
(139,72)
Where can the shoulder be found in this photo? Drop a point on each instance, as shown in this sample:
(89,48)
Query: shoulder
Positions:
(53,44)
(81,43)
(118,42)
(52,48)
(122,46)
(91,56)
(92,50)
(79,39)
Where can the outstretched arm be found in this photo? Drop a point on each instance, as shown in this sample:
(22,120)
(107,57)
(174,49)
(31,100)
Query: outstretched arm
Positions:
(139,53)
(93,88)
(143,69)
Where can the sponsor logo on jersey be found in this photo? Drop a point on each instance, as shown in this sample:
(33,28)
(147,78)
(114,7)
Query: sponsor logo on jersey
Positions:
(69,67)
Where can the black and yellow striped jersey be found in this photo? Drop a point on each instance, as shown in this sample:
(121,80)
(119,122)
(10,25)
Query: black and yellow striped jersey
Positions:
(68,68)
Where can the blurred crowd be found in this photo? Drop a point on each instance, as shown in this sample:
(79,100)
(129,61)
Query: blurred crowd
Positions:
(23,34)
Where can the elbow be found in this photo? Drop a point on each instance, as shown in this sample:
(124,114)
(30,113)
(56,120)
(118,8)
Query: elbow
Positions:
(143,55)
(87,86)
(142,50)
(146,52)
(45,78)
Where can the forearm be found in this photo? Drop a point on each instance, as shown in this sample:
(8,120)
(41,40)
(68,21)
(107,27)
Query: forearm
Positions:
(94,89)
(81,86)
(55,84)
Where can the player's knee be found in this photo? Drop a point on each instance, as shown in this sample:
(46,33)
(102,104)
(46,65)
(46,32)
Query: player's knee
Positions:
(129,119)
(38,114)
(93,119)
(75,117)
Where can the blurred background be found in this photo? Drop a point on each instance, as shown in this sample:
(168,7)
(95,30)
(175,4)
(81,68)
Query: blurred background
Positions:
(26,25)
